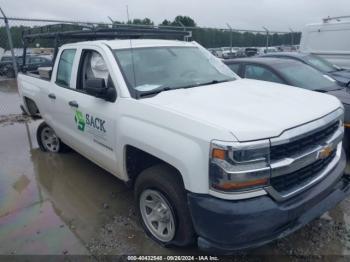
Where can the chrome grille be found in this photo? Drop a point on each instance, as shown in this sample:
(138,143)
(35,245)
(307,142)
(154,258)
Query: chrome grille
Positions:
(301,176)
(296,164)
(299,145)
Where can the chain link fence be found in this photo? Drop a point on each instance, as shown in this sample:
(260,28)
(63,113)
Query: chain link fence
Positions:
(217,39)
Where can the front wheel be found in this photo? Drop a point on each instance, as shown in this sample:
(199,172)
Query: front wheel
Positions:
(48,140)
(162,207)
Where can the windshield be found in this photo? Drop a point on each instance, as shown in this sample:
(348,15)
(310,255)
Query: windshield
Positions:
(304,76)
(149,69)
(320,63)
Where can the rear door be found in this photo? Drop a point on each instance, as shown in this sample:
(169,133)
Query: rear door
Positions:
(62,91)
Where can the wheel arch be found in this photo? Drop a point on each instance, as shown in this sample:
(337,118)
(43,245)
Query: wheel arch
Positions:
(30,106)
(137,160)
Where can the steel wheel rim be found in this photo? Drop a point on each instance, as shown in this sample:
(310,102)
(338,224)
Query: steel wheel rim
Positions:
(49,139)
(157,215)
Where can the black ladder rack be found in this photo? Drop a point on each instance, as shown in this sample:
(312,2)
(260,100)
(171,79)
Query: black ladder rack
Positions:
(59,32)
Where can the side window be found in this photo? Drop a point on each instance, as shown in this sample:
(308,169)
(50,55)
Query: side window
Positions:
(234,67)
(65,66)
(261,73)
(93,67)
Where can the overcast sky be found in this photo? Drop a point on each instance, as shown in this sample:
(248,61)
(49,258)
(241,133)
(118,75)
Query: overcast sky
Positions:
(241,14)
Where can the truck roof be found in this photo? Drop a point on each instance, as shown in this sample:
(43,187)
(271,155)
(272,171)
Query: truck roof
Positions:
(135,43)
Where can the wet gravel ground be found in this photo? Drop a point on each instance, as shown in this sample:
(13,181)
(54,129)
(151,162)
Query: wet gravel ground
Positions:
(12,119)
(64,204)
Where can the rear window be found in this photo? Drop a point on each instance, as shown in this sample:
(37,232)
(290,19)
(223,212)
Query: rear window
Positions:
(65,66)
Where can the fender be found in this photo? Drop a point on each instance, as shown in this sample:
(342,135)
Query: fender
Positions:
(169,136)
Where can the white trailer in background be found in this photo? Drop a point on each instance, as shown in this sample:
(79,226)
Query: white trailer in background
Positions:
(329,39)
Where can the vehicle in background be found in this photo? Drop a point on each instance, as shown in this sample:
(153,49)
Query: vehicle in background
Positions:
(211,157)
(260,51)
(329,39)
(229,54)
(288,48)
(33,63)
(6,64)
(270,49)
(216,52)
(293,73)
(250,51)
(340,74)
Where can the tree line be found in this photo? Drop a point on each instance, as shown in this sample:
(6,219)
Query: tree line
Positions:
(208,37)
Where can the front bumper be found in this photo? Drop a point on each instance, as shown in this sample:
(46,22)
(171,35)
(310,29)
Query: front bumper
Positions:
(225,226)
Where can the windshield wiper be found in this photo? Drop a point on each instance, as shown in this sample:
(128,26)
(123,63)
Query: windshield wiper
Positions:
(337,70)
(166,88)
(321,90)
(212,82)
(153,92)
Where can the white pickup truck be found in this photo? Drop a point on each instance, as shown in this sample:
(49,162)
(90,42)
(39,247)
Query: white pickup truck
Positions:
(227,162)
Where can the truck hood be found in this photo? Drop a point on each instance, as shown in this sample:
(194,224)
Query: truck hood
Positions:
(249,109)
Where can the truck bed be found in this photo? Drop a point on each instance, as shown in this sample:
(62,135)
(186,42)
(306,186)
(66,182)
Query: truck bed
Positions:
(30,87)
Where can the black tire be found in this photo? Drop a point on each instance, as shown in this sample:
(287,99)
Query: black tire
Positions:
(167,181)
(346,142)
(62,148)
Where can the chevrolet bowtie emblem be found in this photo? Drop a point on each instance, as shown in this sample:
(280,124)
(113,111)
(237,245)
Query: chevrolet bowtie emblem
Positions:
(325,152)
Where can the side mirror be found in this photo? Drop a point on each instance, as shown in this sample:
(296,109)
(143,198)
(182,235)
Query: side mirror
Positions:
(97,87)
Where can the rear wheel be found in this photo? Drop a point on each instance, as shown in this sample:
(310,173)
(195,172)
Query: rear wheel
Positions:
(161,205)
(48,140)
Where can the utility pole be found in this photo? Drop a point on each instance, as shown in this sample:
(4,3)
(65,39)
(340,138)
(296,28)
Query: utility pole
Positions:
(292,35)
(267,38)
(231,35)
(127,13)
(14,62)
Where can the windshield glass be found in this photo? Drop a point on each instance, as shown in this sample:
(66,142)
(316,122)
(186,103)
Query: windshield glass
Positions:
(147,69)
(320,63)
(304,76)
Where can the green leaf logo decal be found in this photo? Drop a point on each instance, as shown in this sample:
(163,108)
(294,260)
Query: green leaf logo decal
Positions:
(79,120)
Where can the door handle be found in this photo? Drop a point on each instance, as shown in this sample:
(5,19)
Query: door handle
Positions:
(73,104)
(52,96)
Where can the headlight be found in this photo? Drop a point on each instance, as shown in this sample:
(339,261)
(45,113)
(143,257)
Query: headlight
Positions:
(249,156)
(239,166)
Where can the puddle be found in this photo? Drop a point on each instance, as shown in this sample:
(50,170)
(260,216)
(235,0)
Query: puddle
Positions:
(37,230)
